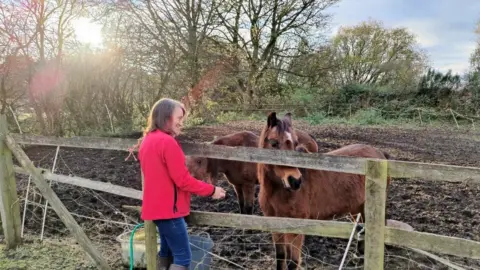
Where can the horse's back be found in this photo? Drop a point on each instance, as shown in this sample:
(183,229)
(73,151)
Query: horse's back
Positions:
(241,138)
(359,150)
(363,151)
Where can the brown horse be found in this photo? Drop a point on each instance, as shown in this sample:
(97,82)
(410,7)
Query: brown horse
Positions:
(241,175)
(306,193)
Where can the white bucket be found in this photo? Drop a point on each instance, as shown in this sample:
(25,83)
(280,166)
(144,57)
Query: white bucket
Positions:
(200,245)
(139,258)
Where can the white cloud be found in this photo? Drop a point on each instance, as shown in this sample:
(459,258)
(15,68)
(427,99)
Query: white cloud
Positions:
(444,29)
(453,55)
(456,68)
(466,47)
(425,30)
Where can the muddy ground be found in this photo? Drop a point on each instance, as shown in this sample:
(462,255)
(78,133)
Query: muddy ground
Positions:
(450,209)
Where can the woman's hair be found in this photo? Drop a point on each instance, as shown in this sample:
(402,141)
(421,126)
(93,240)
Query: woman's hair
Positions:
(158,118)
(161,114)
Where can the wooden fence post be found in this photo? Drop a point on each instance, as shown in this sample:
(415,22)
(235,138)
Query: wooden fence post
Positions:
(375,196)
(56,203)
(150,242)
(9,203)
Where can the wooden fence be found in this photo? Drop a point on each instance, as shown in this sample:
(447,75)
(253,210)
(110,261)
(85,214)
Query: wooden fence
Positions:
(376,171)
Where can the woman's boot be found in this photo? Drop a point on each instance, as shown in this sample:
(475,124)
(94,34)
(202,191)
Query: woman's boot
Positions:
(163,263)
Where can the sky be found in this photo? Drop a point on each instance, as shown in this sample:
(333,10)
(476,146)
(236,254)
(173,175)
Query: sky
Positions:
(444,28)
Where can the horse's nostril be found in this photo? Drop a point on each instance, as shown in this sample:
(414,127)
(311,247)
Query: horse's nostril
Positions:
(294,182)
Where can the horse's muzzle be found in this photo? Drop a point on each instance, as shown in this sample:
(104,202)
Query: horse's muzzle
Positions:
(294,183)
(301,149)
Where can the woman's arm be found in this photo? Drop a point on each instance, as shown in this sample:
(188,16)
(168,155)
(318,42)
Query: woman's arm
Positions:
(175,160)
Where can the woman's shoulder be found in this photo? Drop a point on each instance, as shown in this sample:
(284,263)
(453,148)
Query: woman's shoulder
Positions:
(159,137)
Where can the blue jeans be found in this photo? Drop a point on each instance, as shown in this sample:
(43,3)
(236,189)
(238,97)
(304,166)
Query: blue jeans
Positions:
(174,240)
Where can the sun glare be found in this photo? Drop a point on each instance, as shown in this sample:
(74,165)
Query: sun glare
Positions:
(87,32)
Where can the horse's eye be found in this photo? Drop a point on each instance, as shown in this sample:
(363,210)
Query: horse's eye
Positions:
(199,162)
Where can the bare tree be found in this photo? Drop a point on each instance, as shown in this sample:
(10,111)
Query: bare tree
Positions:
(475,56)
(258,26)
(178,28)
(16,35)
(51,20)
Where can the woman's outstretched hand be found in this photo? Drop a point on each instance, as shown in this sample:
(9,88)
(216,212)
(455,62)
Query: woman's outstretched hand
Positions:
(219,193)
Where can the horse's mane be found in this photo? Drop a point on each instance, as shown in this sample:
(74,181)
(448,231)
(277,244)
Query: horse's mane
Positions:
(263,135)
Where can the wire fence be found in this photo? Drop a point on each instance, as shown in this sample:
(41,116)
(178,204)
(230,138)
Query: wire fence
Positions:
(103,219)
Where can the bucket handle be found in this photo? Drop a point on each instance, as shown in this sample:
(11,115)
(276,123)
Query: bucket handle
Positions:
(204,234)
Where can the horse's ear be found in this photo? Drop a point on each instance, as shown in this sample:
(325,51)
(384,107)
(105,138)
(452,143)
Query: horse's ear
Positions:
(272,119)
(287,118)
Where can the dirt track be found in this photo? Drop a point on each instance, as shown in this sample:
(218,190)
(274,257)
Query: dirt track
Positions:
(442,208)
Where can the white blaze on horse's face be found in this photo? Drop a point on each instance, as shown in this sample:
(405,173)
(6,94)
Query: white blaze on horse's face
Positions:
(288,136)
(283,141)
(291,177)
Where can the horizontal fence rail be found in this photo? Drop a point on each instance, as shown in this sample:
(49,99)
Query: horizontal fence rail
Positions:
(247,154)
(393,236)
(85,183)
(399,169)
(435,172)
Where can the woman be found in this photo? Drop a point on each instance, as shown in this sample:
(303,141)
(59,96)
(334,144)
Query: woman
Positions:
(168,183)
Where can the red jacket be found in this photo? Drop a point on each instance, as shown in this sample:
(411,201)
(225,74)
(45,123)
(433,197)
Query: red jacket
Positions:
(167,181)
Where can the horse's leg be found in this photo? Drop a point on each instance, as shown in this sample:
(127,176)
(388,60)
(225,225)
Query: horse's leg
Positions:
(294,244)
(249,198)
(280,249)
(240,197)
(277,238)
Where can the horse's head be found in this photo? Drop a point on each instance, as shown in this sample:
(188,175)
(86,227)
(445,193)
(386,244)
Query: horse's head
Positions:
(279,134)
(202,168)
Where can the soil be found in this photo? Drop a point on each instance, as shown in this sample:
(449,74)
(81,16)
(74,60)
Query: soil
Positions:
(451,209)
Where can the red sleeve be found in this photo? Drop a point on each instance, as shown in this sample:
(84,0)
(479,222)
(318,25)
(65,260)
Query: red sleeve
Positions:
(178,171)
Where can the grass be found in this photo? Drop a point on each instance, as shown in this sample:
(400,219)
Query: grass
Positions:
(370,117)
(373,118)
(51,254)
(366,118)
